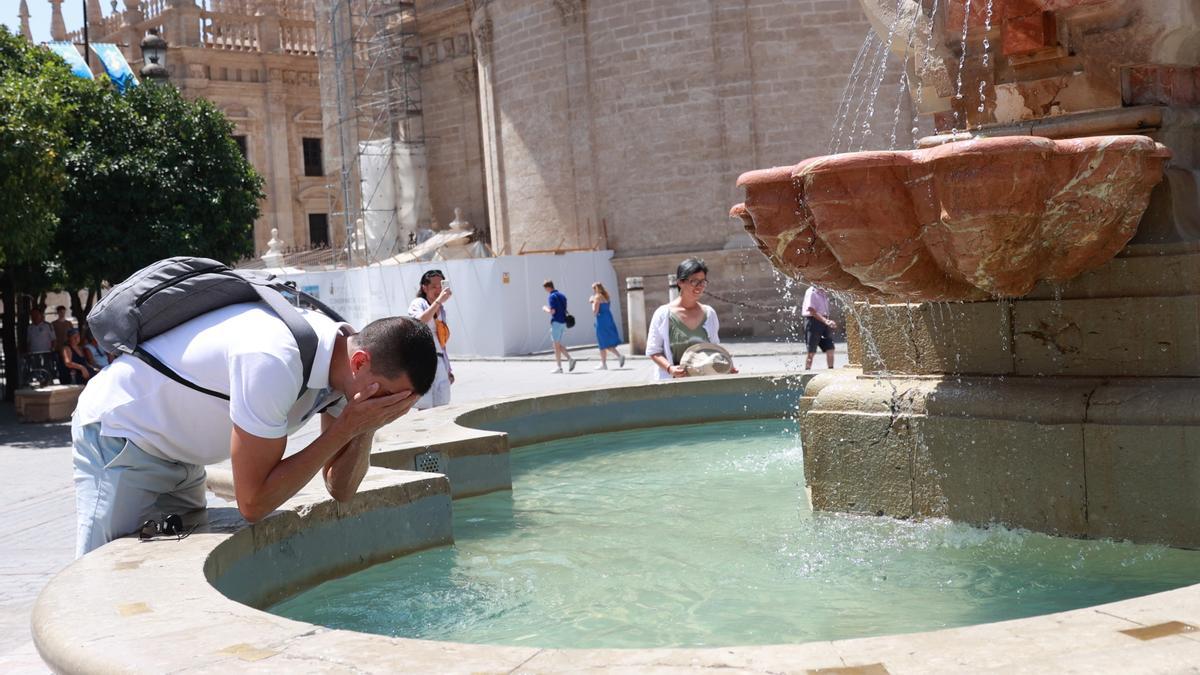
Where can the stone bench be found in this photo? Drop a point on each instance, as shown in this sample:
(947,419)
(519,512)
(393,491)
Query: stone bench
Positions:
(47,404)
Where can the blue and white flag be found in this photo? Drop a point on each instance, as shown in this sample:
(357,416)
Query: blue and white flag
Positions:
(115,65)
(67,51)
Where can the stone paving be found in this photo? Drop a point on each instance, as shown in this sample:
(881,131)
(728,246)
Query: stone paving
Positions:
(37,496)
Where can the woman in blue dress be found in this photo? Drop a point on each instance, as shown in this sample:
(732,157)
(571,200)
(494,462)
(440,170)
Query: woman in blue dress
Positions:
(607,337)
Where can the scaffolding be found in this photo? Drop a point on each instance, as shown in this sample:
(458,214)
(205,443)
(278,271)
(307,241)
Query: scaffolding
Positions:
(371,94)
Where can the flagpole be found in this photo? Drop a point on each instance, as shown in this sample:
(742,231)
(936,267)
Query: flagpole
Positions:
(87,56)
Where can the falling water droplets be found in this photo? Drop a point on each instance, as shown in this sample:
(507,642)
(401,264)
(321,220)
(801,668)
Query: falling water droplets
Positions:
(880,72)
(1005,305)
(927,55)
(905,84)
(962,60)
(839,127)
(987,28)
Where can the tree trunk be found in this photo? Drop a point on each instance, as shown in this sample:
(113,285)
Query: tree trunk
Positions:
(8,336)
(24,306)
(93,296)
(77,310)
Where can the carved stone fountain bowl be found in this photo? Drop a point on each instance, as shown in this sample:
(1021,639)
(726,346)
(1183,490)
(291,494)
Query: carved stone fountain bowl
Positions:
(968,220)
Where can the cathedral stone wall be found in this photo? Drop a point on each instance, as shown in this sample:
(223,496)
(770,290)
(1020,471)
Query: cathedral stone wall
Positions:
(627,122)
(450,105)
(529,131)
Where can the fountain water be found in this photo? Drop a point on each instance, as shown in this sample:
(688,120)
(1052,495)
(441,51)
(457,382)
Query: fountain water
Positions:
(687,536)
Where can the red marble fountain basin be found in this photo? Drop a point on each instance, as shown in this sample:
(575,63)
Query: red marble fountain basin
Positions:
(969,220)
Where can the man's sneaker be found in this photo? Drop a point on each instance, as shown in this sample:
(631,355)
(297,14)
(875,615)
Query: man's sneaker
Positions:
(620,360)
(602,366)
(557,370)
(570,365)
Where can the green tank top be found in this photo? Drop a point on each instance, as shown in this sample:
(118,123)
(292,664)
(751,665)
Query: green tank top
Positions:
(683,337)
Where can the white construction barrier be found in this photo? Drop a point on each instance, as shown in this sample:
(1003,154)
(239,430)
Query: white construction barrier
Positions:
(496,309)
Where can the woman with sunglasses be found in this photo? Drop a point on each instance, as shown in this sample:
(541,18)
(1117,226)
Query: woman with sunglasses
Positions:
(682,322)
(429,307)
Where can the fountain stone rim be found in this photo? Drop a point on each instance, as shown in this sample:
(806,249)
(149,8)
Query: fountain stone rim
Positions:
(161,613)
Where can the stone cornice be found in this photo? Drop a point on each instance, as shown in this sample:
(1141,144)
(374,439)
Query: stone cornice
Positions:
(190,55)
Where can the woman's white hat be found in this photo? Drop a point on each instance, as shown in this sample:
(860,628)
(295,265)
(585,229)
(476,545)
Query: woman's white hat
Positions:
(706,358)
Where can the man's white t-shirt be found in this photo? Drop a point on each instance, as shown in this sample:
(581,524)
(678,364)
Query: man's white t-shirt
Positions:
(243,350)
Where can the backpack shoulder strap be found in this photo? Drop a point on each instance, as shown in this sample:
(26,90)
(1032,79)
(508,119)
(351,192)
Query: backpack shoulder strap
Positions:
(152,361)
(306,337)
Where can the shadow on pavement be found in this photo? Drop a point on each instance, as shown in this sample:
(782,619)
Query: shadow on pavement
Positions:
(17,434)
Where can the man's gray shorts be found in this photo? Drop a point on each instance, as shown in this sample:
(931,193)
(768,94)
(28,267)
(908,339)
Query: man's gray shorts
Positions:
(118,486)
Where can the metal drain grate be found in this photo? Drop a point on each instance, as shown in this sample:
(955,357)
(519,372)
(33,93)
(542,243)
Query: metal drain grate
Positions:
(429,462)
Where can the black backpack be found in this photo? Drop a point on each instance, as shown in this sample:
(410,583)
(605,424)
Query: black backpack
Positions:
(169,292)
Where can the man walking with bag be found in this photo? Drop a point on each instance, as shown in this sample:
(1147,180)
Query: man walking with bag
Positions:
(560,321)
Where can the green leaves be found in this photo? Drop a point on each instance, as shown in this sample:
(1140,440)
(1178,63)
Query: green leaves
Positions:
(34,113)
(95,185)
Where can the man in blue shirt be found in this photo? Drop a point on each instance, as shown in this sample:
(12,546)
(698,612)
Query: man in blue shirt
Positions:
(556,307)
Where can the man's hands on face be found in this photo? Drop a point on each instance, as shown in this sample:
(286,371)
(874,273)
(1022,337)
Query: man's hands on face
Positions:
(368,411)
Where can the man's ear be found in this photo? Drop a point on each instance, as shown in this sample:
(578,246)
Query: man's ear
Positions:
(359,360)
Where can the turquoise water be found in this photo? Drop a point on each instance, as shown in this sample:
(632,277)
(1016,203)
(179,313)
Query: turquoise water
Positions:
(701,536)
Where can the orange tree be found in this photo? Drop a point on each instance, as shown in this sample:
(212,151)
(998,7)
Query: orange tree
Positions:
(95,184)
(151,174)
(36,106)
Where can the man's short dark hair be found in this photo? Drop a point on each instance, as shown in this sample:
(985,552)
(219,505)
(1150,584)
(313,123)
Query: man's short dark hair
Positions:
(548,284)
(398,345)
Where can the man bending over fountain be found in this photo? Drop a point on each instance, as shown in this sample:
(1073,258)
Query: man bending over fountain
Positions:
(142,440)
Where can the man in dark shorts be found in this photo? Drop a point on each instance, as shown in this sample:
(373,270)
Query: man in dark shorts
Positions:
(818,327)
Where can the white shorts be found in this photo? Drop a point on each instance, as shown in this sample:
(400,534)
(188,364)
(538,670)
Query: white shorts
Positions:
(439,393)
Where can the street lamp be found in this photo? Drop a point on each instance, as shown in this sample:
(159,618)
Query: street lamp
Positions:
(154,52)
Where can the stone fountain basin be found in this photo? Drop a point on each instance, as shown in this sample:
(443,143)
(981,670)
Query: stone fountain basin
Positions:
(190,605)
(968,220)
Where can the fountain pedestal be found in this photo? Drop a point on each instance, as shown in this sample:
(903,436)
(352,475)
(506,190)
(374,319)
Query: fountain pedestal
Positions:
(1074,410)
(1077,457)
